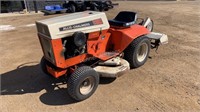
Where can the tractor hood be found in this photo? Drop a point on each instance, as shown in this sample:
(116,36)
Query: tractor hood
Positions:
(64,26)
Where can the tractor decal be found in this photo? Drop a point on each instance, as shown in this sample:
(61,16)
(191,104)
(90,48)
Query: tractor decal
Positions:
(81,25)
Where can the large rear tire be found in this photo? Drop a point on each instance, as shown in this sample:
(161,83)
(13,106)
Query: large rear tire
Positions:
(137,52)
(93,8)
(63,11)
(72,8)
(83,8)
(82,83)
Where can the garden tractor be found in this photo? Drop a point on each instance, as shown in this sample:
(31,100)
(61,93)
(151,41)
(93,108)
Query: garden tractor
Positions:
(84,46)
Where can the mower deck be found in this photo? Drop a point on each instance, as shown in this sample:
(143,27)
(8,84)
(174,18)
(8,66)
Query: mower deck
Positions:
(111,69)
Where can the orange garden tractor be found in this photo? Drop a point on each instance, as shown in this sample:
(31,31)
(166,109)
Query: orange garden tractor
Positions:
(85,46)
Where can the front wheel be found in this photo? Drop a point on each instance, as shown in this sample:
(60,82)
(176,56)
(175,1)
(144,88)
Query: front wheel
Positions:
(82,83)
(137,52)
(43,65)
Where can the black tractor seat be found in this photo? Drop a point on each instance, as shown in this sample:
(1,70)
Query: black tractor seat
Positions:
(124,19)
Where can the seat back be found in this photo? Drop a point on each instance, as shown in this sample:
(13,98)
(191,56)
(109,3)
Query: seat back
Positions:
(126,16)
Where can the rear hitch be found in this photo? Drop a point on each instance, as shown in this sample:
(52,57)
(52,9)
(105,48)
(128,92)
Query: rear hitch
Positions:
(157,39)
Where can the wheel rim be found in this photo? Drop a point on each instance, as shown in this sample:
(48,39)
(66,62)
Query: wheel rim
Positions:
(87,85)
(142,52)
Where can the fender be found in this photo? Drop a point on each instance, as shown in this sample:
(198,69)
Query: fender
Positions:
(121,38)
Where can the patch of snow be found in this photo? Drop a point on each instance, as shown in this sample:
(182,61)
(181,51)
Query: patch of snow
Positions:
(6,27)
(30,25)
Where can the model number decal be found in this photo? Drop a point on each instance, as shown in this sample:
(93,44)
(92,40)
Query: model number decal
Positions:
(81,25)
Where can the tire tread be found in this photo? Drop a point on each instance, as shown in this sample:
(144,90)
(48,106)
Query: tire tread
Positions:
(130,50)
(74,79)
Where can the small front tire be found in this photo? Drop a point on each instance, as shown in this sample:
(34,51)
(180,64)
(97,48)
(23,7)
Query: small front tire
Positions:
(43,64)
(82,83)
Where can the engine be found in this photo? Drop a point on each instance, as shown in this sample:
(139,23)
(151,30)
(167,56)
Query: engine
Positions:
(74,45)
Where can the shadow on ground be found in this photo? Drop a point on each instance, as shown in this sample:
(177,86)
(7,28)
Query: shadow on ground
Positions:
(30,79)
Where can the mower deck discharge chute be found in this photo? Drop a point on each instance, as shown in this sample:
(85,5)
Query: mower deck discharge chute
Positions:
(85,46)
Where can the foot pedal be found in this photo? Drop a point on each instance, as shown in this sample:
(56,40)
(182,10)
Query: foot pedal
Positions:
(107,55)
(111,62)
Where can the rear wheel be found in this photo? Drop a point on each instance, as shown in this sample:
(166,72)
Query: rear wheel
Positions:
(72,8)
(137,52)
(51,12)
(82,83)
(93,8)
(63,11)
(101,9)
(83,8)
(106,9)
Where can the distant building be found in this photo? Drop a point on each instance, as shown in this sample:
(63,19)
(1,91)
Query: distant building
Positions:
(28,5)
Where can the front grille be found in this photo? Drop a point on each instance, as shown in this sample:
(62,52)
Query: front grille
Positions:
(47,49)
(43,29)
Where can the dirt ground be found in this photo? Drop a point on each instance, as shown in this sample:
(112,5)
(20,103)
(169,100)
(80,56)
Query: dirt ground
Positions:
(169,81)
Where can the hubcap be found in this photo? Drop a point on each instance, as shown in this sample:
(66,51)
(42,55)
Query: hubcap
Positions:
(142,52)
(87,85)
